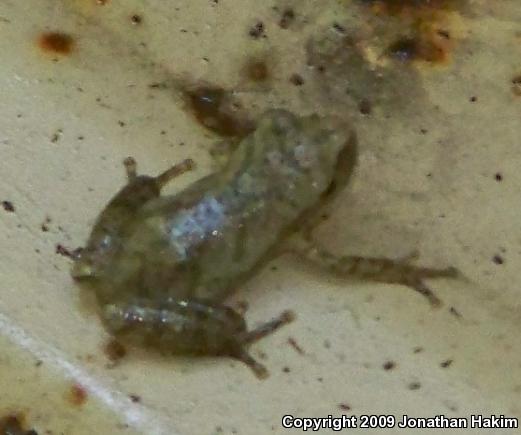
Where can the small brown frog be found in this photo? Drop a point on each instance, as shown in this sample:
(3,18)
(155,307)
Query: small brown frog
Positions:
(162,266)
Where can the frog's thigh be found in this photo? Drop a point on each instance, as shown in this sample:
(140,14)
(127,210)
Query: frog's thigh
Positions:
(371,268)
(191,327)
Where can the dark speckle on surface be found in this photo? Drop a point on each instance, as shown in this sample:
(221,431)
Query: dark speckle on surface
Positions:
(365,107)
(8,206)
(135,398)
(257,30)
(136,19)
(446,363)
(498,259)
(455,312)
(296,79)
(414,386)
(293,343)
(287,18)
(516,85)
(389,365)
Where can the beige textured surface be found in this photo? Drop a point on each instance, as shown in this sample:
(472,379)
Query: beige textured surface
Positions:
(66,125)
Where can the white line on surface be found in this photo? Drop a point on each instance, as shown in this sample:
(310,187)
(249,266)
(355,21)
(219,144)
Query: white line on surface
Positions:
(133,415)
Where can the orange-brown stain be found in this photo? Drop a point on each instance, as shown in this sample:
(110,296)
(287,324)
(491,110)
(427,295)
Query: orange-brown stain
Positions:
(426,24)
(411,7)
(14,424)
(212,109)
(516,85)
(56,42)
(76,395)
(429,46)
(256,70)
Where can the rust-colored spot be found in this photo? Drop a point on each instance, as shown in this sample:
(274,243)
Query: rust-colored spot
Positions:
(213,108)
(256,70)
(114,350)
(344,407)
(14,424)
(56,42)
(76,395)
(426,26)
(395,7)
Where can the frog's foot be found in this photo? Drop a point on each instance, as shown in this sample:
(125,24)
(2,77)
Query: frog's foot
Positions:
(163,178)
(191,327)
(249,337)
(376,269)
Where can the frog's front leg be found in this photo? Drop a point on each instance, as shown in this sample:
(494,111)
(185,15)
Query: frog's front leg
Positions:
(191,327)
(377,269)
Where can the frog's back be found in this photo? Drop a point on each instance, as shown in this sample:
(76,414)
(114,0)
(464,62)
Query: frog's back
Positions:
(212,235)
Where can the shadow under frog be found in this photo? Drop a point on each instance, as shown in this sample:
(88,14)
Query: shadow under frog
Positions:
(162,266)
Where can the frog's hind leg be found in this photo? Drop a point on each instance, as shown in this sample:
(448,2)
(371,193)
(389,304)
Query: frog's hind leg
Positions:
(268,328)
(191,327)
(376,269)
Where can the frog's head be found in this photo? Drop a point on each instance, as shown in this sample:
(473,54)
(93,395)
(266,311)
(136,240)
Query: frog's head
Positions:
(90,262)
(107,238)
(103,268)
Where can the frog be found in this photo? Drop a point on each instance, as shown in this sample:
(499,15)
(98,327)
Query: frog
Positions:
(162,267)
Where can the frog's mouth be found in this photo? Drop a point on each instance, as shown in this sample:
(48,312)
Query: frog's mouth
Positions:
(83,268)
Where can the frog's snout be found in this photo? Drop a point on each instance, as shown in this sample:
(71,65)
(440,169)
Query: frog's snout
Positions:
(82,267)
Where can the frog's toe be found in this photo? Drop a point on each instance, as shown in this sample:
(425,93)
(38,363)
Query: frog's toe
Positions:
(130,168)
(259,369)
